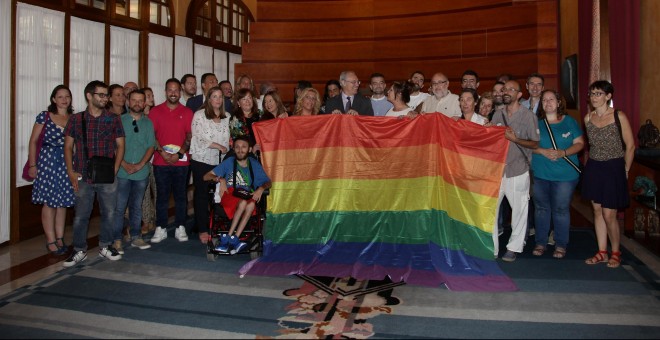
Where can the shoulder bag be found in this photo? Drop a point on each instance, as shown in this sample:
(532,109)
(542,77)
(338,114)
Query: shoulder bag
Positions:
(26,168)
(554,146)
(100,170)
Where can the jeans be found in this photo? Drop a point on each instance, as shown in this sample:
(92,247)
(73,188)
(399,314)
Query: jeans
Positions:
(171,180)
(201,197)
(553,200)
(129,194)
(107,195)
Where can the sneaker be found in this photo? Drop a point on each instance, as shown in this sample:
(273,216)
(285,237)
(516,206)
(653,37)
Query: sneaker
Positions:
(75,258)
(139,243)
(223,244)
(118,246)
(180,234)
(236,244)
(551,238)
(238,248)
(509,256)
(159,235)
(109,253)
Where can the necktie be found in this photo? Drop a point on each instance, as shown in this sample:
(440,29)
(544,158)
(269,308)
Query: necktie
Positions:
(348,104)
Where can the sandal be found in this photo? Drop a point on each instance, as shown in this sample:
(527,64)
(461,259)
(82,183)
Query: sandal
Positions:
(57,252)
(559,253)
(61,239)
(615,260)
(539,250)
(601,256)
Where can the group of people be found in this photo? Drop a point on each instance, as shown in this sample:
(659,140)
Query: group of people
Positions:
(156,147)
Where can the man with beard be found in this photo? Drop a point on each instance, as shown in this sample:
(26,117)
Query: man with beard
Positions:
(133,174)
(172,127)
(228,93)
(379,101)
(442,99)
(249,177)
(188,88)
(534,87)
(497,98)
(523,133)
(416,95)
(195,103)
(103,136)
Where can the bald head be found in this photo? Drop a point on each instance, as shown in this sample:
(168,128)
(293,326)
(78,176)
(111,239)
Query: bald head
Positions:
(129,87)
(439,85)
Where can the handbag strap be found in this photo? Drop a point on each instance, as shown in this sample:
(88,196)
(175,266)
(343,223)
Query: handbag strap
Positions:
(529,165)
(84,137)
(554,146)
(43,130)
(618,125)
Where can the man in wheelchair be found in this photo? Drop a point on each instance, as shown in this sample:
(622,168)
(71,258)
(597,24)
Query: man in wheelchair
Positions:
(242,182)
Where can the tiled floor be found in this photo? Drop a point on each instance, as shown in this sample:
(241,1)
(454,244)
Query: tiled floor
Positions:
(28,261)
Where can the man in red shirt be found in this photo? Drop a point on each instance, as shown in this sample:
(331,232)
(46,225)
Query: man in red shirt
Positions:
(172,127)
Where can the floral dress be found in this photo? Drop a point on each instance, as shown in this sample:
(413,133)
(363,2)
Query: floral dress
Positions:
(52,186)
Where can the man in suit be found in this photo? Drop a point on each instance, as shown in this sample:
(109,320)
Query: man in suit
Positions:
(195,103)
(350,101)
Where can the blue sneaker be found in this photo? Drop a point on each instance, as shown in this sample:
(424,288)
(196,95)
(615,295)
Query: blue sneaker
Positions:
(223,244)
(236,245)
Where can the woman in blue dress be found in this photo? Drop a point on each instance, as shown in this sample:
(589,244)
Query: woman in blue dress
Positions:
(51,186)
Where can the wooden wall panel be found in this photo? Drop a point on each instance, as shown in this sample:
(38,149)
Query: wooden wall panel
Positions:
(316,40)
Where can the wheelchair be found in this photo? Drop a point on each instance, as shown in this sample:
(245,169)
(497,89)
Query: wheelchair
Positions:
(219,224)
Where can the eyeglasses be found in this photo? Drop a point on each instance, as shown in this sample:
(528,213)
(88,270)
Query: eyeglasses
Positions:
(509,89)
(136,129)
(101,95)
(354,82)
(595,94)
(434,83)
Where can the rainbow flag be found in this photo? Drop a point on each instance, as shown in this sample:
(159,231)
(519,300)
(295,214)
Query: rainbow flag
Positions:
(370,197)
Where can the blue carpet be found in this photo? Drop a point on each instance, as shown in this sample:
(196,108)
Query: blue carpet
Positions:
(172,291)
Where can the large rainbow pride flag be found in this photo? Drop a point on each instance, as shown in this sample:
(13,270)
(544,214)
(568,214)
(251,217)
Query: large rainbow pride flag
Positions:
(370,197)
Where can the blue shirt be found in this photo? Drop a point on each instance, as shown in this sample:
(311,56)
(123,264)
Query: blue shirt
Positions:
(564,132)
(226,170)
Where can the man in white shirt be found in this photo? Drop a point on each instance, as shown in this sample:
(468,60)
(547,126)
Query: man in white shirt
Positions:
(379,101)
(470,79)
(442,99)
(417,96)
(188,88)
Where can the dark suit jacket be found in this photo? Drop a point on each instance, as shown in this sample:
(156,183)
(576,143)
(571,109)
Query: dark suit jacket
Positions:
(195,103)
(359,103)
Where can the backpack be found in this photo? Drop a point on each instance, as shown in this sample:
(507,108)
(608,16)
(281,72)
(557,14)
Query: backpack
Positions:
(648,135)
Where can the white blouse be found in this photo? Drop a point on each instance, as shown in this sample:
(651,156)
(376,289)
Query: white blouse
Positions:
(204,132)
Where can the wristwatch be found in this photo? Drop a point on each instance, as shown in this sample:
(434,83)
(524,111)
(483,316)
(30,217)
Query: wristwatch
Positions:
(180,155)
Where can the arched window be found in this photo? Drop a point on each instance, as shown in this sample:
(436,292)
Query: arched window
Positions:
(223,24)
(137,14)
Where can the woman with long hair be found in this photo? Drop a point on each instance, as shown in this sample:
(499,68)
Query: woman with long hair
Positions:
(556,172)
(52,186)
(273,106)
(309,103)
(605,177)
(244,115)
(209,144)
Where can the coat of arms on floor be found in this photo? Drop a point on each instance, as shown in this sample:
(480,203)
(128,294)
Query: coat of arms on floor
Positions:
(336,307)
